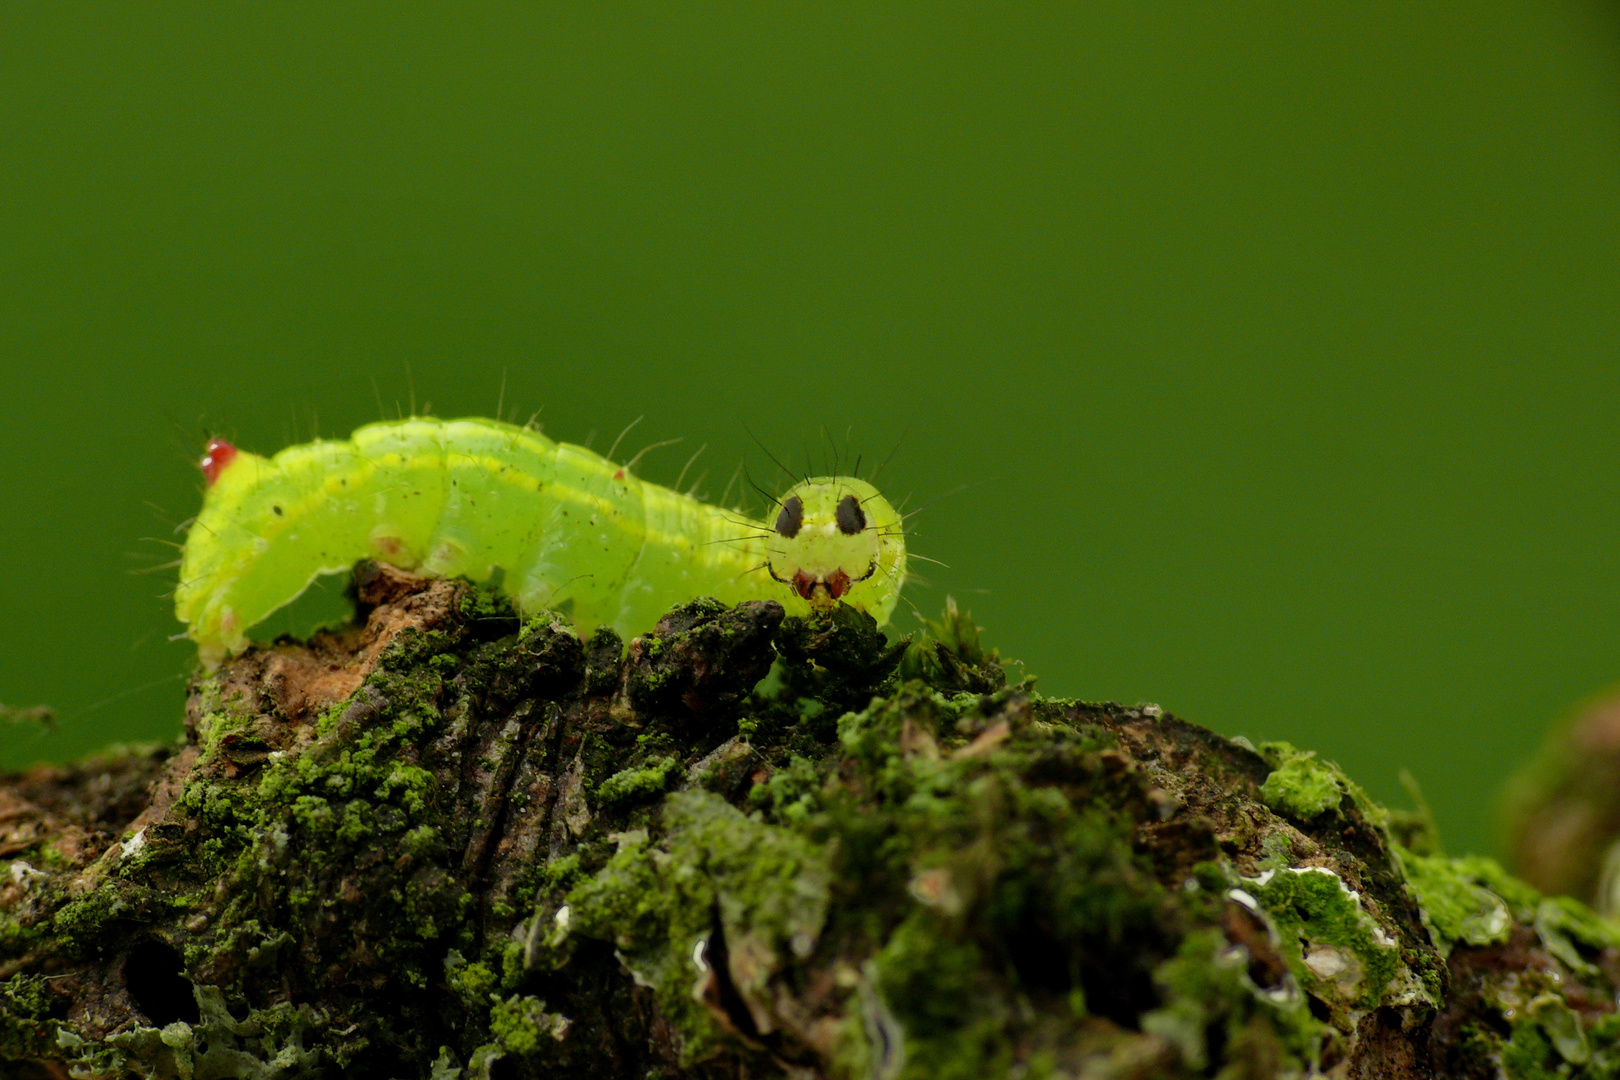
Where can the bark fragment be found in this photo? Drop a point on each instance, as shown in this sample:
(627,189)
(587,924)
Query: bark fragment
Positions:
(446,843)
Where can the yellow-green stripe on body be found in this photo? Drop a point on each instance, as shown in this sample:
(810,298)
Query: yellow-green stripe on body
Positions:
(562,527)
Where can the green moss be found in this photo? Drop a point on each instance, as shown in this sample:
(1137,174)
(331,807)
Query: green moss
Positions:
(1488,873)
(771,885)
(421,841)
(445,1067)
(1563,1027)
(85,1058)
(951,1017)
(1210,1002)
(1549,1039)
(1455,906)
(267,1045)
(26,1027)
(635,784)
(791,793)
(952,880)
(1569,930)
(560,871)
(521,1025)
(473,983)
(81,921)
(950,654)
(1299,784)
(211,724)
(1529,1055)
(314,814)
(622,902)
(767,886)
(1335,949)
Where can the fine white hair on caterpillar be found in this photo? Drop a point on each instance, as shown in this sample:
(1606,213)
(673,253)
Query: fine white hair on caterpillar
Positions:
(558,526)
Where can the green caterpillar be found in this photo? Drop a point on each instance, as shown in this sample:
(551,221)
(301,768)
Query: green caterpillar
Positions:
(558,526)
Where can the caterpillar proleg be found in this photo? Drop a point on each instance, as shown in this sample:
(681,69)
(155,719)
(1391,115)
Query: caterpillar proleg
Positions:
(558,526)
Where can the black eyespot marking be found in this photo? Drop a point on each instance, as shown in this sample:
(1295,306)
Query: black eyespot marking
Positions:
(851,518)
(791,519)
(277,509)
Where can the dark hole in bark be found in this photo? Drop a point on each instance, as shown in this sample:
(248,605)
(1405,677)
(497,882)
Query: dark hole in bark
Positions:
(384,1064)
(1043,962)
(1113,980)
(1116,984)
(28,1070)
(155,977)
(730,999)
(1215,1039)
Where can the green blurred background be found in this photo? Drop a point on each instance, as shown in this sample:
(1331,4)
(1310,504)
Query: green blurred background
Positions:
(1275,344)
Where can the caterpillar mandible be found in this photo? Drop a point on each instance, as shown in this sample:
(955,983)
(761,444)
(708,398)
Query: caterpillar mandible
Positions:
(558,526)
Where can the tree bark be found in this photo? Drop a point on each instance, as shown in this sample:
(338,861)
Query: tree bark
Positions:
(445,843)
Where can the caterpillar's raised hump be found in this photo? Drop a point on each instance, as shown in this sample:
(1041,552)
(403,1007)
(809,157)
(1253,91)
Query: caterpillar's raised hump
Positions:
(562,527)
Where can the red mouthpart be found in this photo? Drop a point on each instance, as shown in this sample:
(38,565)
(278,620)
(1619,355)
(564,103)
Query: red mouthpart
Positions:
(837,584)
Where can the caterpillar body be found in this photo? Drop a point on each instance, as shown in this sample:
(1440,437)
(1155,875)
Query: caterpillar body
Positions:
(556,525)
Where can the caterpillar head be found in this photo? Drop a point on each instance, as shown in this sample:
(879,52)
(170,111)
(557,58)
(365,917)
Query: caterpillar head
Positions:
(835,538)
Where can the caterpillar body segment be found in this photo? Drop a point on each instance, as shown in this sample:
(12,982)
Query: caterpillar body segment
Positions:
(559,527)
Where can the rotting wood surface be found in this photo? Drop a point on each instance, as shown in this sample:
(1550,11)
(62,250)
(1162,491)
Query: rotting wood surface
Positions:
(447,844)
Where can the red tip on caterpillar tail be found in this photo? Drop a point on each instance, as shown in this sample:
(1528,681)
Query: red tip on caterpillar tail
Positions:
(220,454)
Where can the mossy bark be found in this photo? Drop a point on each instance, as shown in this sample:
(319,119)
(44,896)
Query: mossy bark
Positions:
(448,844)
